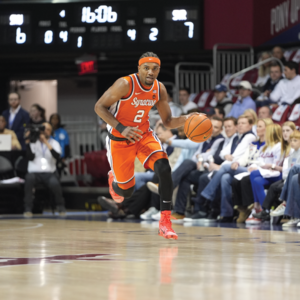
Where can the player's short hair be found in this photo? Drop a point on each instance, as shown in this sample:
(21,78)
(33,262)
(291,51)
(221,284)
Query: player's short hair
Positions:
(149,54)
(233,119)
(185,89)
(295,135)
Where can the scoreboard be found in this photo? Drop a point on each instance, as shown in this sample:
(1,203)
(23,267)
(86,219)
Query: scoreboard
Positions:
(101,26)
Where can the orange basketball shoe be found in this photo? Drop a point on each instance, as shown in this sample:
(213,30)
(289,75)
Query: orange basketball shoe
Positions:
(114,195)
(165,226)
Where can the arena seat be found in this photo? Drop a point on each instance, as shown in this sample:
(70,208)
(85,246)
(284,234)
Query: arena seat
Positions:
(281,114)
(295,115)
(203,99)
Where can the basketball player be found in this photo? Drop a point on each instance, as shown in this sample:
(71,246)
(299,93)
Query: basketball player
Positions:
(125,108)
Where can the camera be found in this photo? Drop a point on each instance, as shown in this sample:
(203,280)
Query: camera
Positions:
(35,131)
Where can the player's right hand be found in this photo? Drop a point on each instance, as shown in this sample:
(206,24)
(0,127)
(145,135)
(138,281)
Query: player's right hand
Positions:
(132,134)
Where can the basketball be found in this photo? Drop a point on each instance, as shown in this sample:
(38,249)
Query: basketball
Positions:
(198,128)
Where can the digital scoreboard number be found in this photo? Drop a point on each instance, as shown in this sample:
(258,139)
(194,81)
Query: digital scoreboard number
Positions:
(134,25)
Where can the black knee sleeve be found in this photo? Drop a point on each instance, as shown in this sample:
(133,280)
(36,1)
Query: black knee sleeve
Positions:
(124,193)
(163,170)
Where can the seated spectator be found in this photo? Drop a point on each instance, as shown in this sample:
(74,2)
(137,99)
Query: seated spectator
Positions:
(264,70)
(278,52)
(60,135)
(37,114)
(222,100)
(253,116)
(175,108)
(244,102)
(265,112)
(221,178)
(230,128)
(16,117)
(276,188)
(186,104)
(288,89)
(15,145)
(275,77)
(263,172)
(42,156)
(220,112)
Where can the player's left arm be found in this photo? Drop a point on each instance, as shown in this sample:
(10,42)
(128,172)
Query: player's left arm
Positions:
(165,112)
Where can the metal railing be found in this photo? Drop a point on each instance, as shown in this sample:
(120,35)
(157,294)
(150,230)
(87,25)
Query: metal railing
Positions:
(195,76)
(251,68)
(230,61)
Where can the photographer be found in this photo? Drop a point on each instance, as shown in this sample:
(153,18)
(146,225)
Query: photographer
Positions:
(42,152)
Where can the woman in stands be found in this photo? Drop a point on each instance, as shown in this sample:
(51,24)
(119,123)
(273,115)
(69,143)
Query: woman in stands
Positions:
(267,169)
(275,188)
(242,191)
(264,70)
(37,115)
(60,135)
(252,115)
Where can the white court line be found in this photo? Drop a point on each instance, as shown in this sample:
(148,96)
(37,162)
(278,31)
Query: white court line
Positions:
(37,225)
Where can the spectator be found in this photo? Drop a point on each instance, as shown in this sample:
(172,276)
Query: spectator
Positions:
(60,135)
(184,94)
(242,191)
(220,112)
(42,156)
(275,189)
(222,99)
(230,126)
(263,172)
(175,108)
(264,70)
(244,102)
(265,112)
(288,89)
(15,145)
(253,116)
(37,114)
(278,52)
(16,117)
(221,178)
(275,77)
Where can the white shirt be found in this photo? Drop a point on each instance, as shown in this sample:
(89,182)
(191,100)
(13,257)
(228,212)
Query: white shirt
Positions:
(12,115)
(286,91)
(240,149)
(43,161)
(270,156)
(189,106)
(212,151)
(175,109)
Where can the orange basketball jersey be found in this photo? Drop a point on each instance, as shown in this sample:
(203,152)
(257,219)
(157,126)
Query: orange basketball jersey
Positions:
(133,109)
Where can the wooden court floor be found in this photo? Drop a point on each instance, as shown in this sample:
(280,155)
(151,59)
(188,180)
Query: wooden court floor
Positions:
(43,259)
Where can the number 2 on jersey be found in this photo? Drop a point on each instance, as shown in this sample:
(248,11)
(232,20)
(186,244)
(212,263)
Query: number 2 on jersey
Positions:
(138,117)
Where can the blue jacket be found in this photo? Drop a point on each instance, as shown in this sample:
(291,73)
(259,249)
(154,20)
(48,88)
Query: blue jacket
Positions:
(18,126)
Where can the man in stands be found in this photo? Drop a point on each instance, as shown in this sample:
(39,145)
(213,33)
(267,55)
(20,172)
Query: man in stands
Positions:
(175,108)
(278,53)
(223,178)
(16,117)
(221,97)
(288,89)
(244,102)
(265,112)
(15,145)
(42,156)
(184,94)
